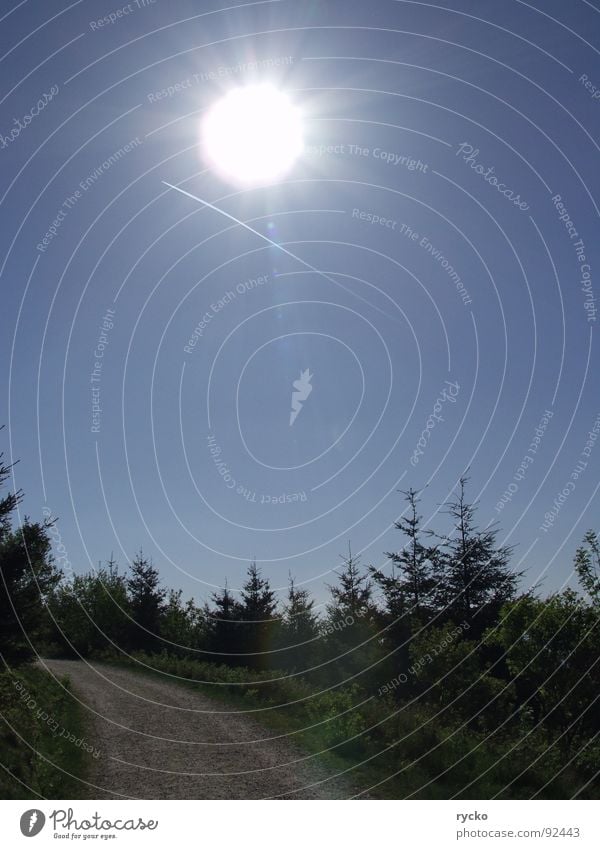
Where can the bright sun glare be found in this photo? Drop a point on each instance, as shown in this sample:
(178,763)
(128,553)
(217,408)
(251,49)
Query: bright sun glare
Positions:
(253,134)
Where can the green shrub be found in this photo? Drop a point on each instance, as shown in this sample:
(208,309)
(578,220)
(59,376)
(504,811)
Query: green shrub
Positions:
(37,715)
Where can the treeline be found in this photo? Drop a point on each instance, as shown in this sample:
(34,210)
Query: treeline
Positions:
(437,668)
(372,617)
(459,669)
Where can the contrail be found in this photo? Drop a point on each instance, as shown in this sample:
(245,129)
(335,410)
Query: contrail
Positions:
(280,247)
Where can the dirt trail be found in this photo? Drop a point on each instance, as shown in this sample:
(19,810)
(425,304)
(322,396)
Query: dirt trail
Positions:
(162,740)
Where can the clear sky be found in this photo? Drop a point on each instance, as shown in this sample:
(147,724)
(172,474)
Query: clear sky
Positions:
(442,294)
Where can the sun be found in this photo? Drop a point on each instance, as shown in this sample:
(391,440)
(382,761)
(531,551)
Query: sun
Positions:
(252,135)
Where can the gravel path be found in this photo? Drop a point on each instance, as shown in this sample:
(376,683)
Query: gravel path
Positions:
(161,740)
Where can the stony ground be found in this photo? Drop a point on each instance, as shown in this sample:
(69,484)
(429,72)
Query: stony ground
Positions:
(158,739)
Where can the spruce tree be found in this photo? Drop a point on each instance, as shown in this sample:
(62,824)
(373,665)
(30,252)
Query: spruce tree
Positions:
(394,621)
(258,614)
(475,578)
(352,597)
(351,640)
(258,599)
(224,626)
(410,588)
(299,618)
(146,600)
(299,629)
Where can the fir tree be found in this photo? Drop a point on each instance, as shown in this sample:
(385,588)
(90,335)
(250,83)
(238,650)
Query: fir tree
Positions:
(258,600)
(146,601)
(223,626)
(475,579)
(299,629)
(299,618)
(258,608)
(351,640)
(352,597)
(411,586)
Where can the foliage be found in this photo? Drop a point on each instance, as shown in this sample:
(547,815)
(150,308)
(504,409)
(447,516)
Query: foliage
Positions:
(90,613)
(298,630)
(551,649)
(474,576)
(39,759)
(258,619)
(587,566)
(412,588)
(146,601)
(27,577)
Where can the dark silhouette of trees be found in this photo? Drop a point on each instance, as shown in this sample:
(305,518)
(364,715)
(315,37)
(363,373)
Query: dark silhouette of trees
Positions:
(349,630)
(408,591)
(551,646)
(258,599)
(413,584)
(224,627)
(587,566)
(183,625)
(257,611)
(146,603)
(299,629)
(91,612)
(474,578)
(27,577)
(353,595)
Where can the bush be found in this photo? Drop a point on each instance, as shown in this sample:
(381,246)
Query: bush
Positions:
(38,716)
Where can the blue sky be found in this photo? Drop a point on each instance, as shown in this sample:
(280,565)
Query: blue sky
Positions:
(445,338)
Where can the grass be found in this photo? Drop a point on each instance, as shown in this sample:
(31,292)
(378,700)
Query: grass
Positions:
(44,751)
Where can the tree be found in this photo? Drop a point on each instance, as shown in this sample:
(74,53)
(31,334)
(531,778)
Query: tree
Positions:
(352,598)
(299,628)
(587,566)
(146,602)
(394,622)
(258,599)
(182,623)
(349,631)
(413,587)
(551,649)
(299,618)
(474,576)
(224,630)
(109,606)
(408,590)
(447,672)
(27,577)
(91,612)
(257,611)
